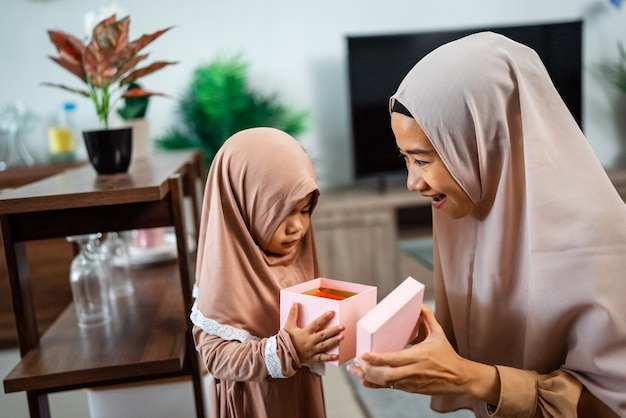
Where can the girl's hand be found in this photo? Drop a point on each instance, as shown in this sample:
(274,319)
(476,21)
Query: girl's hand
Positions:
(431,367)
(313,340)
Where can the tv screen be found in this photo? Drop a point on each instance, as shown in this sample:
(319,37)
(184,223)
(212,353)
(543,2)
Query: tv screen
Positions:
(378,63)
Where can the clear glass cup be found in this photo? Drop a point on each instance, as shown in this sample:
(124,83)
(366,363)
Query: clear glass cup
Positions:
(117,257)
(90,282)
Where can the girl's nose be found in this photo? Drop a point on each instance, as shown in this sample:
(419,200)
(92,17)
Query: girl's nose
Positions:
(294,225)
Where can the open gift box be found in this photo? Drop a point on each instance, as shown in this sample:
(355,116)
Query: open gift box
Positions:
(347,311)
(394,319)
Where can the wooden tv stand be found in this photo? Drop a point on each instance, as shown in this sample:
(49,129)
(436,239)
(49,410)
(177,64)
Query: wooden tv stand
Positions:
(357,231)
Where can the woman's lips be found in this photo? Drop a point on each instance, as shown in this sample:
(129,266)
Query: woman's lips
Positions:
(437,201)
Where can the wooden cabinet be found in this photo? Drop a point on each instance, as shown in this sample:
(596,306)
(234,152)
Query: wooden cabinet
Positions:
(358,231)
(357,234)
(151,338)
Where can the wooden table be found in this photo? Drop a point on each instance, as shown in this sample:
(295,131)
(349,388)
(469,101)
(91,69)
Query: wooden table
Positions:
(151,336)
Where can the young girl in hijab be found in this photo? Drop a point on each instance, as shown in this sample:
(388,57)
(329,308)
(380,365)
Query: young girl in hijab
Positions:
(529,242)
(255,240)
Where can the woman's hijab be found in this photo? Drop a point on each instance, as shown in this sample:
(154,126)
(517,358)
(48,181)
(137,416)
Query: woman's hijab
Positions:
(534,278)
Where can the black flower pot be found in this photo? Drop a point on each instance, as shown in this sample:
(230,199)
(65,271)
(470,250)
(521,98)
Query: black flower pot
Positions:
(109,150)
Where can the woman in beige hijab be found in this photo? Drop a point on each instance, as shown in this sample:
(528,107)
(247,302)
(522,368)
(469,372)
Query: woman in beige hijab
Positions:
(529,242)
(255,240)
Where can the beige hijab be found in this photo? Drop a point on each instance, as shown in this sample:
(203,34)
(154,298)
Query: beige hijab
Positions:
(254,182)
(533,279)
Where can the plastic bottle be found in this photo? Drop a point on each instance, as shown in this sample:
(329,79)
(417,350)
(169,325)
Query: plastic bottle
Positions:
(63,137)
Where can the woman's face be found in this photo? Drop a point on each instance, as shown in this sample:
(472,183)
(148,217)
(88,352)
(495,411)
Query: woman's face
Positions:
(427,173)
(292,229)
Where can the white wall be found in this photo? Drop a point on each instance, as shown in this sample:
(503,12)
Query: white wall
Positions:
(294,48)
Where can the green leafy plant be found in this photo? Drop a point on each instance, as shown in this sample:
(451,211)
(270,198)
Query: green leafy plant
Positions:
(106,64)
(135,107)
(220,102)
(615,72)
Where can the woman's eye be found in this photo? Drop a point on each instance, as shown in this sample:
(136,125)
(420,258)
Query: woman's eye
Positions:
(417,162)
(403,157)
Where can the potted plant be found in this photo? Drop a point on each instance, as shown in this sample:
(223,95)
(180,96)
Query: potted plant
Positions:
(106,64)
(615,72)
(220,102)
(134,114)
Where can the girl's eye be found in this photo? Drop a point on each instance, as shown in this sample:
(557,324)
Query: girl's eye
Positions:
(421,162)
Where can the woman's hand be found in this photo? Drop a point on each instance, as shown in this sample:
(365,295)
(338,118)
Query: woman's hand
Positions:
(431,367)
(312,341)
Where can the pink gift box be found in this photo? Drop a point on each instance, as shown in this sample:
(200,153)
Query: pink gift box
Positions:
(392,324)
(347,311)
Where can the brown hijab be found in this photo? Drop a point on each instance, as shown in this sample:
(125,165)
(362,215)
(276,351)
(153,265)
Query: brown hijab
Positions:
(534,278)
(255,180)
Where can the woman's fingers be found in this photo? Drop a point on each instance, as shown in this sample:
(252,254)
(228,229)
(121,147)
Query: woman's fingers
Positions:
(393,359)
(374,376)
(430,322)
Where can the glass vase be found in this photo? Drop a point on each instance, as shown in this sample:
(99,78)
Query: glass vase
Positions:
(116,255)
(90,282)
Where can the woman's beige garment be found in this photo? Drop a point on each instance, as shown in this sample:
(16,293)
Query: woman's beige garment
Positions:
(254,182)
(534,278)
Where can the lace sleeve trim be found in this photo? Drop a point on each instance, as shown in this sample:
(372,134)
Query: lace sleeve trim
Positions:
(317,367)
(226,332)
(213,327)
(272,362)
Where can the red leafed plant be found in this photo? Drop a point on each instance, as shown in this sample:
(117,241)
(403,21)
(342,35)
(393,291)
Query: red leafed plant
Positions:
(106,64)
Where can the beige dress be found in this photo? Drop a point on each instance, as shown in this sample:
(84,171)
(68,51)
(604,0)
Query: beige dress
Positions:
(533,280)
(254,182)
(241,386)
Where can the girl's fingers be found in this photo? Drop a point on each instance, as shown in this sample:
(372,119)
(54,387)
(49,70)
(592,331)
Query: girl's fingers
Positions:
(292,317)
(319,322)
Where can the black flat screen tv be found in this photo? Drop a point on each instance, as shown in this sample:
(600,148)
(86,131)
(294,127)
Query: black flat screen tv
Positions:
(378,63)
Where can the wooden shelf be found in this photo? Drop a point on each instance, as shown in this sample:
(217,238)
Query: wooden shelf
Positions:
(146,337)
(150,336)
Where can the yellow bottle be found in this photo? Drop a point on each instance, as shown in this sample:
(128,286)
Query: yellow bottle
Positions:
(63,138)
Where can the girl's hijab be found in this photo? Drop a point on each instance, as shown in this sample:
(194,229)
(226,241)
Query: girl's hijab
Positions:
(534,277)
(255,180)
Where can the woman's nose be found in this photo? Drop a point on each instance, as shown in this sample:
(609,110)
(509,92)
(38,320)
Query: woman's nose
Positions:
(414,181)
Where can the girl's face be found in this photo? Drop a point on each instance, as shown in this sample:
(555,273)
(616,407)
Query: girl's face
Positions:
(292,229)
(427,173)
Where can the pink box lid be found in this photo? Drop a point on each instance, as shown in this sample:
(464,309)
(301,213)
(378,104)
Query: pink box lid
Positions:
(393,323)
